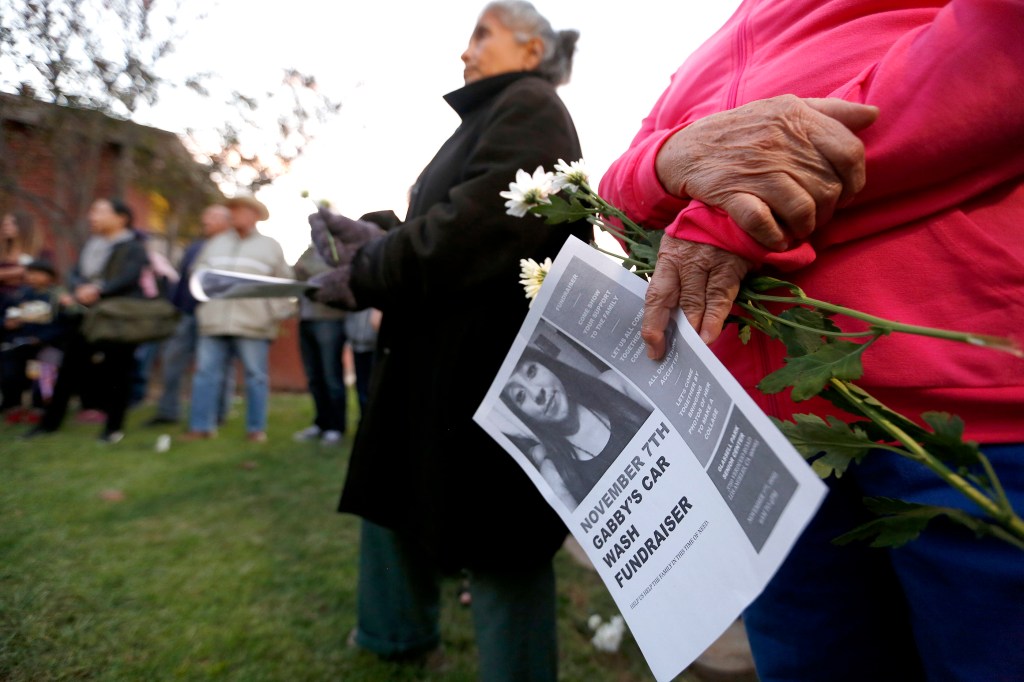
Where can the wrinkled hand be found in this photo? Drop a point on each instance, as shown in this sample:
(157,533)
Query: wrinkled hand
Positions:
(334,289)
(701,279)
(337,238)
(779,167)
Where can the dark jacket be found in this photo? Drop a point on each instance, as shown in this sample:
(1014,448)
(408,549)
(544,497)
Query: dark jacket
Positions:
(122,271)
(447,282)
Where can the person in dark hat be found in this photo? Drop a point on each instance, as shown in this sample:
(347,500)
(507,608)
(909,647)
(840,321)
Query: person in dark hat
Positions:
(32,322)
(240,328)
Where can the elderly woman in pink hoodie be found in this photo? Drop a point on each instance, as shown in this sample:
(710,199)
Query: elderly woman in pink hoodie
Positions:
(928,231)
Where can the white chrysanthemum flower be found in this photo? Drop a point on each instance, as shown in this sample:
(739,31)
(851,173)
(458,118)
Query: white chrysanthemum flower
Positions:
(528,191)
(570,175)
(532,274)
(609,636)
(594,622)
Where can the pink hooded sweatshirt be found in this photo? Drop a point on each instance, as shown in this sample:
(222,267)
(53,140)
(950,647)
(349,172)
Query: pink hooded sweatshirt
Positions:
(936,237)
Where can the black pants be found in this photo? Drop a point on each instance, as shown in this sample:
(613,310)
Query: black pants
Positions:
(104,369)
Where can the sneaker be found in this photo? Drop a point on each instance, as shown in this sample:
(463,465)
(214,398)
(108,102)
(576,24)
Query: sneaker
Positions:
(307,434)
(331,437)
(256,436)
(112,438)
(197,435)
(14,415)
(90,417)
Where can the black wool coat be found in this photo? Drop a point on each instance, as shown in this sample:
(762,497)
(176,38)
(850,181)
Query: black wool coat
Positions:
(447,282)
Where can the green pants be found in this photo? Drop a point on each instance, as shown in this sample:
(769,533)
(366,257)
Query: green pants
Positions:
(398,608)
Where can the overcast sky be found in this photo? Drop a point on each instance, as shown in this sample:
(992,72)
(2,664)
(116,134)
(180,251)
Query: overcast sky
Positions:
(389,63)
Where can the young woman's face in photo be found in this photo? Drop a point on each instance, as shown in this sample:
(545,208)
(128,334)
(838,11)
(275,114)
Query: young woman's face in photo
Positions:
(538,393)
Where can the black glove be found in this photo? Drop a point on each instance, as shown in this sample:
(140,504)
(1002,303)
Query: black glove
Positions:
(337,238)
(333,288)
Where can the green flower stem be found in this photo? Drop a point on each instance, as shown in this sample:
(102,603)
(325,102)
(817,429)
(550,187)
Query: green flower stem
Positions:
(330,240)
(639,265)
(890,325)
(1002,513)
(797,325)
(596,219)
(997,486)
(591,197)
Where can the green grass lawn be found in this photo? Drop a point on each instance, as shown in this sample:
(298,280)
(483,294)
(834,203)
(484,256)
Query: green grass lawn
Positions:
(215,560)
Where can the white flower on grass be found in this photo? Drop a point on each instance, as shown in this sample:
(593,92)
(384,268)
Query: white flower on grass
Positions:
(570,175)
(608,636)
(532,274)
(528,191)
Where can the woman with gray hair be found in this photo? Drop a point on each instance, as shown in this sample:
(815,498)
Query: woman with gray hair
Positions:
(436,493)
(526,23)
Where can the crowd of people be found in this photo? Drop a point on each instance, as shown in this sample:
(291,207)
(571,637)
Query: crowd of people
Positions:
(870,150)
(50,356)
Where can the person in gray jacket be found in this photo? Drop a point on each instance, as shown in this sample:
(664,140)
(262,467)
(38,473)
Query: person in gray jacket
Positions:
(321,342)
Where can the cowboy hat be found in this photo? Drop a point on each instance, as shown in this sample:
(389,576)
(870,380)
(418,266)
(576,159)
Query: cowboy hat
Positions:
(250,201)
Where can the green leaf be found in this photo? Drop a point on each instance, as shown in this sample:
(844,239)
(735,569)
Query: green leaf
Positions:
(862,397)
(802,340)
(763,284)
(947,440)
(809,373)
(744,334)
(562,211)
(646,248)
(901,521)
(761,321)
(837,443)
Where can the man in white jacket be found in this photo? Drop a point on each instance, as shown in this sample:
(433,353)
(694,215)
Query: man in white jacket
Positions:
(242,328)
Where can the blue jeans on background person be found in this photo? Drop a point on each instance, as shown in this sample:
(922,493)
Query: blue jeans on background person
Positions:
(178,352)
(213,357)
(321,343)
(947,606)
(145,357)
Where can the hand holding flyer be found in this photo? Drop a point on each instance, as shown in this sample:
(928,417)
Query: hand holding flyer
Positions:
(682,492)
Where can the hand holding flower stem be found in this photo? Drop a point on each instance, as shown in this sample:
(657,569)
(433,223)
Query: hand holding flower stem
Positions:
(821,361)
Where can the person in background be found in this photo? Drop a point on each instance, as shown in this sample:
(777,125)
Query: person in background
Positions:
(180,349)
(19,246)
(928,230)
(242,327)
(158,279)
(321,343)
(33,321)
(424,477)
(361,330)
(110,264)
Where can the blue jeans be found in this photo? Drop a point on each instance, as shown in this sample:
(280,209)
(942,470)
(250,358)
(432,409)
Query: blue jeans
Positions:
(945,607)
(398,605)
(321,343)
(178,353)
(213,359)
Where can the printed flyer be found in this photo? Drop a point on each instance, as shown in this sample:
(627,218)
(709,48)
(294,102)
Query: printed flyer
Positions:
(682,492)
(208,283)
